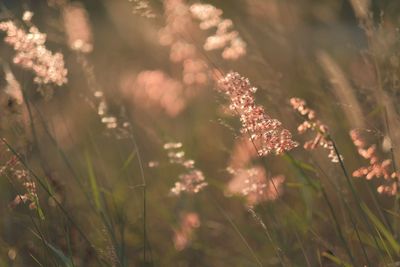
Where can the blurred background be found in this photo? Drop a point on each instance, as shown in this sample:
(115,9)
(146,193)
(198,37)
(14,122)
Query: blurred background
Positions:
(140,77)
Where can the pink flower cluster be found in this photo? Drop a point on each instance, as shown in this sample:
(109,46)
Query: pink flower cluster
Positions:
(142,8)
(377,168)
(32,54)
(154,90)
(312,123)
(229,40)
(264,131)
(252,183)
(177,34)
(248,180)
(16,173)
(184,234)
(192,179)
(195,72)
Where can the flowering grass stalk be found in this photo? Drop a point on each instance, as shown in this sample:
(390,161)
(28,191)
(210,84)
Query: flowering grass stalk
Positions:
(266,132)
(32,54)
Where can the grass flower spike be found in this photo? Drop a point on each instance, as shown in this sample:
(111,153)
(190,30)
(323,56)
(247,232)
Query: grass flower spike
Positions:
(377,168)
(264,131)
(32,54)
(311,123)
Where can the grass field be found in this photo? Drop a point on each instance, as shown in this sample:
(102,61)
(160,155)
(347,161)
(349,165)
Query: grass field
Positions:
(187,133)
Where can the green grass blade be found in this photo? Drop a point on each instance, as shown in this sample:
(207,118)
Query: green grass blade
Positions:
(33,258)
(309,185)
(382,229)
(128,161)
(335,259)
(93,182)
(60,255)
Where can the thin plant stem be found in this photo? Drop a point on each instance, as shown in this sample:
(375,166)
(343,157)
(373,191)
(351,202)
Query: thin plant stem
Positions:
(330,207)
(228,218)
(258,219)
(353,223)
(355,195)
(50,194)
